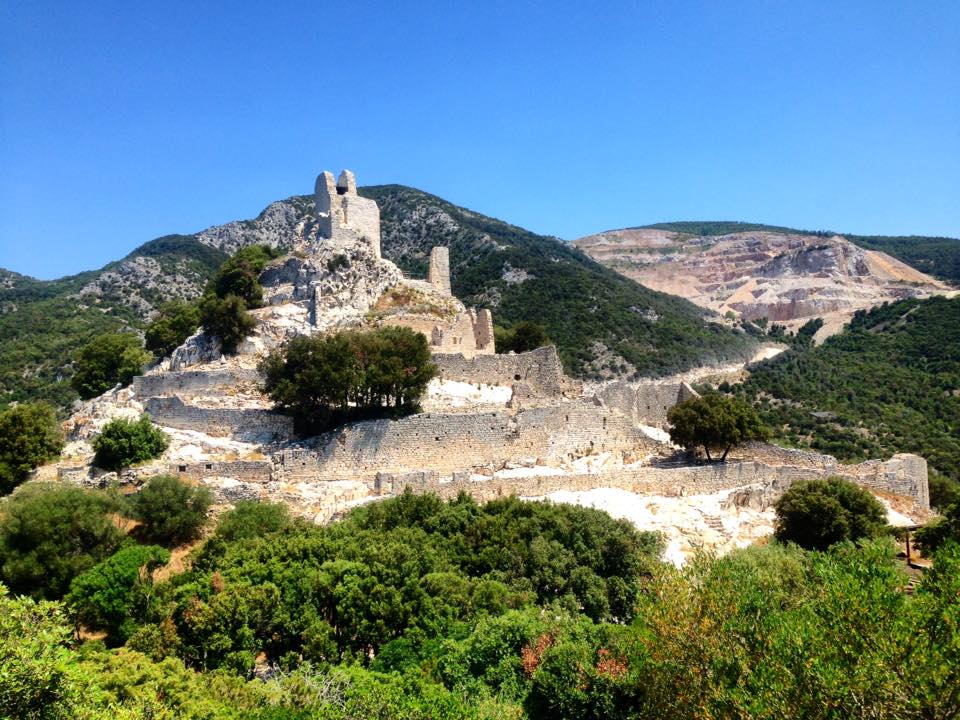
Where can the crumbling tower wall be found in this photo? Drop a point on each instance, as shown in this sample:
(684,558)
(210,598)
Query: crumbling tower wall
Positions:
(439,273)
(340,210)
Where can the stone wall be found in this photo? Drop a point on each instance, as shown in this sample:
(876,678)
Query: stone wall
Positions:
(254,471)
(253,424)
(193,382)
(444,443)
(339,209)
(904,475)
(540,370)
(646,403)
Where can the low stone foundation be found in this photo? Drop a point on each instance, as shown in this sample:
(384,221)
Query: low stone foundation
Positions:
(539,370)
(194,382)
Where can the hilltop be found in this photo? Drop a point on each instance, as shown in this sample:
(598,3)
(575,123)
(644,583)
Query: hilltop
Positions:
(603,324)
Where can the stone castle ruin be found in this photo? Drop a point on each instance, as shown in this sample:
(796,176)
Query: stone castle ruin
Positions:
(491,424)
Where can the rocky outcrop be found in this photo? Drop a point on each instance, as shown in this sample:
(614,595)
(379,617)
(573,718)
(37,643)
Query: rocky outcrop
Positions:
(787,278)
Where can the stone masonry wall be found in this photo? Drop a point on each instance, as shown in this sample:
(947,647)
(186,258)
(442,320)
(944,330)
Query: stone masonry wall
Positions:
(242,423)
(439,270)
(539,369)
(193,382)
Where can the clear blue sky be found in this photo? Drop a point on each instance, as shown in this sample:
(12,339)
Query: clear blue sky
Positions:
(122,121)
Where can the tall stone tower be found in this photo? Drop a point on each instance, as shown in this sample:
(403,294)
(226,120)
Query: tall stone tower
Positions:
(439,273)
(340,210)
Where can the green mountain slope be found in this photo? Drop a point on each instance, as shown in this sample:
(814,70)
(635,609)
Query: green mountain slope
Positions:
(888,383)
(937,256)
(603,324)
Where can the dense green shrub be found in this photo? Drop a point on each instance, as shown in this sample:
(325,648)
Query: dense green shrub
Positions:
(324,380)
(29,436)
(714,422)
(240,275)
(114,595)
(108,360)
(227,319)
(522,337)
(50,534)
(176,321)
(816,514)
(171,511)
(941,530)
(122,443)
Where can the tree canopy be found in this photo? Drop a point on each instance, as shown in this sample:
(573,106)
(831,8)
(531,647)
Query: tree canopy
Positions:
(176,321)
(324,380)
(123,442)
(172,512)
(816,514)
(108,360)
(714,422)
(29,436)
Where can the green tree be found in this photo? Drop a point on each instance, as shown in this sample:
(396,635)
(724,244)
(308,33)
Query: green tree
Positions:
(122,443)
(320,380)
(115,594)
(29,436)
(714,422)
(108,360)
(227,319)
(172,512)
(941,530)
(522,337)
(240,275)
(816,514)
(176,321)
(50,534)
(38,678)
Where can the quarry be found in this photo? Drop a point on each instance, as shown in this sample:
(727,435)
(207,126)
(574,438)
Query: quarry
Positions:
(491,425)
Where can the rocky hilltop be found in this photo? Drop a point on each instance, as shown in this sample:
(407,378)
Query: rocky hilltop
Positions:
(784,276)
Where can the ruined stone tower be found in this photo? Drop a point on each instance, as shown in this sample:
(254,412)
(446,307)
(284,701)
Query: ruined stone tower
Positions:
(340,210)
(439,273)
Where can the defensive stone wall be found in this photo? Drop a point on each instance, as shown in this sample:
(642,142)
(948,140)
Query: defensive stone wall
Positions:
(540,370)
(647,403)
(439,270)
(193,382)
(254,424)
(253,471)
(340,209)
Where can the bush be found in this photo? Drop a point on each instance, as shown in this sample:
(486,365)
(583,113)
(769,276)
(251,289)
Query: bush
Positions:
(122,443)
(240,275)
(714,422)
(939,531)
(816,514)
(227,319)
(175,322)
(108,360)
(522,337)
(29,436)
(114,594)
(172,512)
(324,380)
(51,534)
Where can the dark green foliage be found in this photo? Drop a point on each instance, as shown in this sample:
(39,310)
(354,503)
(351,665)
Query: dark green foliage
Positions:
(176,321)
(240,275)
(816,514)
(890,383)
(171,511)
(51,534)
(227,319)
(108,360)
(939,531)
(29,436)
(522,337)
(714,422)
(583,306)
(325,380)
(114,595)
(122,443)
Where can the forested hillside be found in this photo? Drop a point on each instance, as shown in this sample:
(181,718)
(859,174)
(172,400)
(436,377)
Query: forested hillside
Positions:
(888,383)
(937,256)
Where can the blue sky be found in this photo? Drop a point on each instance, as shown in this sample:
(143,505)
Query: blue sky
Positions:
(120,122)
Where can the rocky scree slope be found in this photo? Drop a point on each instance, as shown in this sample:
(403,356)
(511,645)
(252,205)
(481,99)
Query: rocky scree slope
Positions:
(604,325)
